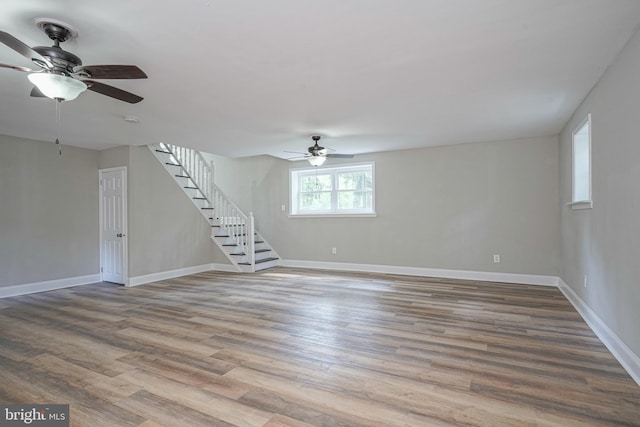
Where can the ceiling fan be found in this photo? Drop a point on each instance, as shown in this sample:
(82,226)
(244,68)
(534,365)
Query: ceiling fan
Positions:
(62,76)
(317,155)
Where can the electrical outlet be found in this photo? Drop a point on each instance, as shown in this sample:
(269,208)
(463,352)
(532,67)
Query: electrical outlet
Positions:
(496,258)
(586,280)
(283,208)
(334,251)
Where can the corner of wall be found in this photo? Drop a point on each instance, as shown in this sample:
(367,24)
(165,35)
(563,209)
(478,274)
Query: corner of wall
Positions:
(627,358)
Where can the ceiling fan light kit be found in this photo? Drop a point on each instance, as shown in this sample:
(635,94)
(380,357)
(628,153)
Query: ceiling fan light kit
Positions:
(316,160)
(57,86)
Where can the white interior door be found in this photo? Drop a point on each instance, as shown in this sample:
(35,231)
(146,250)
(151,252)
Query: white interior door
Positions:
(113,225)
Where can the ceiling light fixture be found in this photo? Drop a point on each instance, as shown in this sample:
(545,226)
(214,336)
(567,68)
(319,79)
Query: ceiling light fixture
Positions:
(316,160)
(57,86)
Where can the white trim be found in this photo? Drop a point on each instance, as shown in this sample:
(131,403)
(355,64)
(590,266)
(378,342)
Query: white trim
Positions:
(169,274)
(524,279)
(112,169)
(125,231)
(49,285)
(629,361)
(228,268)
(581,204)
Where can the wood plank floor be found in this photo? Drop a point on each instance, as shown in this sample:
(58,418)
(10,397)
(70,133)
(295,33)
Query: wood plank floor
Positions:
(293,347)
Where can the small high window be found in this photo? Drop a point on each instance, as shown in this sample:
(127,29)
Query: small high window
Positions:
(581,153)
(341,190)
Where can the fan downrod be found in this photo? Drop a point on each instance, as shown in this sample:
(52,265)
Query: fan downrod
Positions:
(315,149)
(59,32)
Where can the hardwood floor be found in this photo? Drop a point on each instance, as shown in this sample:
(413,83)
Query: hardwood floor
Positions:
(293,347)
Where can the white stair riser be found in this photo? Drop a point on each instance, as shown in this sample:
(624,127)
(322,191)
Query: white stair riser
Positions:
(263,255)
(268,264)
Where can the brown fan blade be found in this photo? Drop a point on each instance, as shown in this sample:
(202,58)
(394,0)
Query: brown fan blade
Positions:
(36,93)
(113,92)
(339,156)
(16,67)
(111,71)
(24,50)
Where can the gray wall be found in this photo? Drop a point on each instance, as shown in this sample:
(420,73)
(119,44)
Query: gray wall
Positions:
(114,157)
(604,242)
(49,217)
(48,211)
(449,207)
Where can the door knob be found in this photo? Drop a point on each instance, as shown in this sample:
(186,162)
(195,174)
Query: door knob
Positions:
(120,235)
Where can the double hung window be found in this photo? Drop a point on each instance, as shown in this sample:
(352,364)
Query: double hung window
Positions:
(340,190)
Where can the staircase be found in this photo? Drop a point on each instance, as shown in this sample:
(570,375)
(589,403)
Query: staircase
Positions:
(231,230)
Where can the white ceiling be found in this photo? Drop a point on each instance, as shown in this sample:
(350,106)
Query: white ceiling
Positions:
(250,77)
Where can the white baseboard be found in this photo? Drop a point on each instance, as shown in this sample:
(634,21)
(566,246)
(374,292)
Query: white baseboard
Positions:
(229,268)
(165,275)
(627,358)
(524,279)
(49,285)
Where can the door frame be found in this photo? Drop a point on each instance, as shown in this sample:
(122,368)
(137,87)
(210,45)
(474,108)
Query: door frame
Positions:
(125,245)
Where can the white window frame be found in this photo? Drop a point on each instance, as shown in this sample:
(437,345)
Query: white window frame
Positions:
(295,174)
(583,203)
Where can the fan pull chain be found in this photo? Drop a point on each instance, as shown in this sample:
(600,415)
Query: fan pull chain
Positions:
(58,103)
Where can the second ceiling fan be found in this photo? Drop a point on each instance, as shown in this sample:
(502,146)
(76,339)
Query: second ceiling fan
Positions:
(316,155)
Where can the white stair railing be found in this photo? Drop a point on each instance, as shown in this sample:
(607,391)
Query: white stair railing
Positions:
(232,221)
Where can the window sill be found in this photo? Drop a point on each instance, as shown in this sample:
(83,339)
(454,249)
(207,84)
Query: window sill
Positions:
(582,204)
(362,215)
